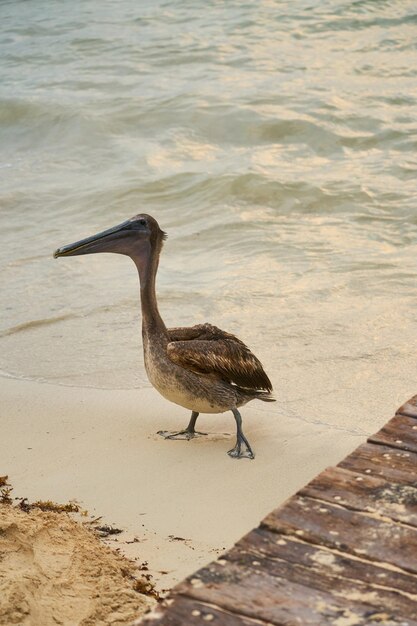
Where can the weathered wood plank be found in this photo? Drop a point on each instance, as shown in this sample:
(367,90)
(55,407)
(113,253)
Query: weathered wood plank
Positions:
(365,493)
(409,408)
(324,562)
(346,530)
(183,611)
(399,432)
(377,460)
(262,589)
(325,571)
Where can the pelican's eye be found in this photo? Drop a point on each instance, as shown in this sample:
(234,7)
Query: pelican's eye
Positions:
(142,222)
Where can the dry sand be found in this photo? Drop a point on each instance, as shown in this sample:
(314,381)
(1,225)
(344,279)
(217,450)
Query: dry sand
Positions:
(179,503)
(53,570)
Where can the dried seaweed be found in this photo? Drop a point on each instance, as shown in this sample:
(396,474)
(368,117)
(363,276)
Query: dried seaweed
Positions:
(106,530)
(5,497)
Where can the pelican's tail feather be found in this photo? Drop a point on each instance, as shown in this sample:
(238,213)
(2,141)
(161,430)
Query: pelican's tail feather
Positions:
(265,396)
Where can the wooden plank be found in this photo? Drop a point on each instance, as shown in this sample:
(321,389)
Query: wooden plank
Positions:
(182,611)
(337,574)
(400,432)
(324,562)
(365,493)
(409,408)
(262,589)
(391,464)
(349,531)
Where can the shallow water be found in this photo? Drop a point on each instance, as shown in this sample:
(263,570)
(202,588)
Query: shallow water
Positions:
(275,142)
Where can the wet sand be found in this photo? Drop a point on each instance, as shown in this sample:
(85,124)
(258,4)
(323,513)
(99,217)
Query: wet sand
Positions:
(179,503)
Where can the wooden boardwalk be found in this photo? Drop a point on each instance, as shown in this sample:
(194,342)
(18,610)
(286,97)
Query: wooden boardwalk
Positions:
(341,551)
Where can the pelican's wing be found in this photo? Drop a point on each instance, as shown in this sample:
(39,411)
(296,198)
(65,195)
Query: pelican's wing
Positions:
(217,352)
(185,334)
(206,332)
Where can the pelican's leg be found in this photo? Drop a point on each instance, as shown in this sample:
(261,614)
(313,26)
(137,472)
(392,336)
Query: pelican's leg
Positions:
(237,452)
(188,433)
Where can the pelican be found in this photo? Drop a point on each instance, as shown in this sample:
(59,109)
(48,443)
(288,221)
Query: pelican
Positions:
(201,368)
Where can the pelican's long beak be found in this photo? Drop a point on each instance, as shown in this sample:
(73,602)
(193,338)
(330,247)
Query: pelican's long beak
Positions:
(101,242)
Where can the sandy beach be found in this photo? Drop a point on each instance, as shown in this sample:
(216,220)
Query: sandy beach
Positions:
(179,503)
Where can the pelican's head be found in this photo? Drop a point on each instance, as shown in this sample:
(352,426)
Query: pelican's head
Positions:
(134,237)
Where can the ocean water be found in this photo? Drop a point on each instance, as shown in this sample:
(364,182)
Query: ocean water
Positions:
(274,141)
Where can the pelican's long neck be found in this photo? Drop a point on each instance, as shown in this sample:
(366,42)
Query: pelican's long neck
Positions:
(147,263)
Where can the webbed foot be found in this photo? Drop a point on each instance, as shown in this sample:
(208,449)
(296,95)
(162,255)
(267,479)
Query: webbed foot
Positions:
(182,434)
(238,453)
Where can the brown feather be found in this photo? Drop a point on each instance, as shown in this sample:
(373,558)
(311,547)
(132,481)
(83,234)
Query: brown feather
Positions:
(206,349)
(201,331)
